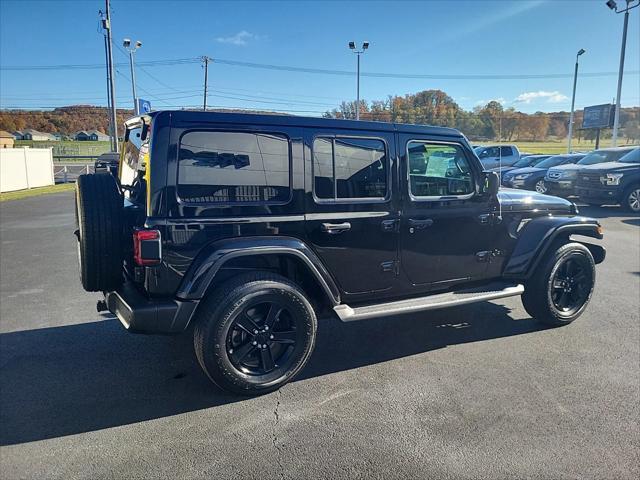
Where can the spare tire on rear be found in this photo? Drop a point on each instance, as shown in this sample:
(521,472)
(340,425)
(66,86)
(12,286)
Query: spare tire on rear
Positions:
(99,232)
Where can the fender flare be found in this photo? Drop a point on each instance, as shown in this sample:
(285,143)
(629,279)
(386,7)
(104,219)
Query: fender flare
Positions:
(539,234)
(202,273)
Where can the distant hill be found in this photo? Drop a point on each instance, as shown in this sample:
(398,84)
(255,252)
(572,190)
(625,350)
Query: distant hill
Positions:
(63,120)
(68,120)
(430,107)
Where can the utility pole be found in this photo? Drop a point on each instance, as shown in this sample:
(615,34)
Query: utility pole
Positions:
(613,6)
(616,115)
(106,62)
(106,24)
(206,61)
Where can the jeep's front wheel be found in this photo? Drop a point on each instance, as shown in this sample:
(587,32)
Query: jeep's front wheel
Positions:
(561,286)
(254,333)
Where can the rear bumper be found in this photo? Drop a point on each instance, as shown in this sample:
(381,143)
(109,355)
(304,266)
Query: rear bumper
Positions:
(140,314)
(599,195)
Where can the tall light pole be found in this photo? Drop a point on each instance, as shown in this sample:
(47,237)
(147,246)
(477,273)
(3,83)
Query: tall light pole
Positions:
(616,119)
(573,99)
(352,46)
(126,43)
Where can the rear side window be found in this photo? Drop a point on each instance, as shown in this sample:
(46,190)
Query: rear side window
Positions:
(506,151)
(234,168)
(350,168)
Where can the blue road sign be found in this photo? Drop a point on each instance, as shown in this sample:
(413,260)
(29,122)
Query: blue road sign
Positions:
(144,106)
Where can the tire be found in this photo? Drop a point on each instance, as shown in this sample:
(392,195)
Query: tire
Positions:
(558,271)
(99,231)
(540,186)
(226,351)
(631,199)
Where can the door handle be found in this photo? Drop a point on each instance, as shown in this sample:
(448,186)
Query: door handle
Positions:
(415,224)
(484,218)
(388,225)
(335,228)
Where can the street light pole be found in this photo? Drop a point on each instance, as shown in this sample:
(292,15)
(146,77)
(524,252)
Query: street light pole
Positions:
(616,119)
(133,83)
(358,90)
(573,100)
(127,44)
(352,46)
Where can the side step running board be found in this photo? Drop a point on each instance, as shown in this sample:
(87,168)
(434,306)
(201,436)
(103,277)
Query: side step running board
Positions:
(430,302)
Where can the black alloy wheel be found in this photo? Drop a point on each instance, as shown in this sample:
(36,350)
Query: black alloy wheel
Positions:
(262,338)
(254,333)
(571,284)
(560,288)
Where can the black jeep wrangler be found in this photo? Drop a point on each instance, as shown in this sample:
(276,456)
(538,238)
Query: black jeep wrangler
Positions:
(251,227)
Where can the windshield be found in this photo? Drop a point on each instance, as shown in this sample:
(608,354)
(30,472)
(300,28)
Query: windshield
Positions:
(524,162)
(602,156)
(552,161)
(529,161)
(632,157)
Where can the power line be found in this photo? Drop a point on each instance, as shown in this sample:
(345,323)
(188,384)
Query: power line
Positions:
(386,113)
(289,68)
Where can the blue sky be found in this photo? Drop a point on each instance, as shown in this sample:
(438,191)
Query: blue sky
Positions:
(429,38)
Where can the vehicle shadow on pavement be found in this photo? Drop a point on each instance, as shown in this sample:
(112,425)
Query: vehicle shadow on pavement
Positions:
(632,221)
(79,378)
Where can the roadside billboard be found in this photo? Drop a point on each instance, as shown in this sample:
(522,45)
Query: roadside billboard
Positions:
(598,116)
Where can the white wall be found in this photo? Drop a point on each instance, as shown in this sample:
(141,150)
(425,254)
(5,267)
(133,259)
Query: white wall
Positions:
(22,168)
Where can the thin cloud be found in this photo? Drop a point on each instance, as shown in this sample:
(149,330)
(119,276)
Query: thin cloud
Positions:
(497,16)
(482,103)
(551,97)
(240,39)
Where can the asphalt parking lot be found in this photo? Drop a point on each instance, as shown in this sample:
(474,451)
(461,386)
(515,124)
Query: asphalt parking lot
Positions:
(480,391)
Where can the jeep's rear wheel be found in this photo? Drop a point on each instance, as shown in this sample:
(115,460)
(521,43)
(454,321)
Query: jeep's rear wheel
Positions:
(562,285)
(99,232)
(255,333)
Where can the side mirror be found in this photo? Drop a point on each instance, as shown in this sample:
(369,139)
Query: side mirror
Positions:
(492,183)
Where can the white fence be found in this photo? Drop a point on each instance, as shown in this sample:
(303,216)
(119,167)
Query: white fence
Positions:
(22,168)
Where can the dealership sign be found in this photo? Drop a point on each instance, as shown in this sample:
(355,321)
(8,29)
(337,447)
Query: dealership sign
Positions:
(598,116)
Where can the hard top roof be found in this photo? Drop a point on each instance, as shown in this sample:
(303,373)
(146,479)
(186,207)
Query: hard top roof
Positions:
(193,116)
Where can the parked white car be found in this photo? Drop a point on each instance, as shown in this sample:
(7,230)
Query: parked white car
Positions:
(493,156)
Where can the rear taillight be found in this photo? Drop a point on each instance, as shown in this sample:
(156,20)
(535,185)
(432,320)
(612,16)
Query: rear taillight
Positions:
(147,247)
